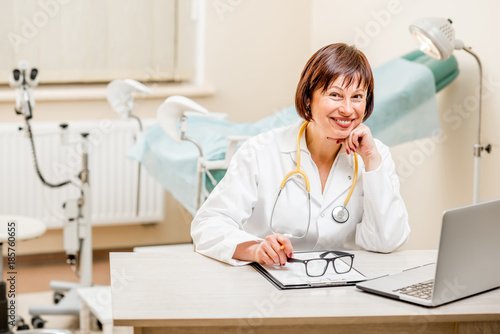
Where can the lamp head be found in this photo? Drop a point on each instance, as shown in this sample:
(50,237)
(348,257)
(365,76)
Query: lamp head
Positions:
(24,76)
(121,93)
(436,37)
(24,79)
(172,109)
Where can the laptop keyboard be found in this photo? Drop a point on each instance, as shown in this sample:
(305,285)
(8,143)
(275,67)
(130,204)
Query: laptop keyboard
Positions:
(420,290)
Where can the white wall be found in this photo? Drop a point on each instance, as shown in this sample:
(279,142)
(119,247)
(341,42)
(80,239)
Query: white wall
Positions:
(255,51)
(436,174)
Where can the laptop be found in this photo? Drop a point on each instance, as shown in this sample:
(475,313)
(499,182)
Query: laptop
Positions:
(467,263)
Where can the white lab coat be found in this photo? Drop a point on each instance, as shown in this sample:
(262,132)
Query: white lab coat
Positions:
(239,208)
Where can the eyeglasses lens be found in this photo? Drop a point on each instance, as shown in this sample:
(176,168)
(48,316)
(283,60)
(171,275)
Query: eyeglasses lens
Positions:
(343,264)
(316,267)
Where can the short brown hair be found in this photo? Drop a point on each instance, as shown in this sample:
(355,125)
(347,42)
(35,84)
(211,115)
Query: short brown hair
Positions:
(325,66)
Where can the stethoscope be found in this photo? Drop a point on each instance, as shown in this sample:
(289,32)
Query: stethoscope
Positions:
(340,214)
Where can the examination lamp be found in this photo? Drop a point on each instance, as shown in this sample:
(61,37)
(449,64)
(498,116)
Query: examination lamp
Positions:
(436,38)
(24,80)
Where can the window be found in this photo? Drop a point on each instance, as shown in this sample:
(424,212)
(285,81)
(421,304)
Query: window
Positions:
(75,41)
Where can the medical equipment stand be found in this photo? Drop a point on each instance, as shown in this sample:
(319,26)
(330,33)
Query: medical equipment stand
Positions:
(478,148)
(436,38)
(78,230)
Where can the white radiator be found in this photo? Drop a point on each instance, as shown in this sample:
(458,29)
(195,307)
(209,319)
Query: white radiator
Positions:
(113,176)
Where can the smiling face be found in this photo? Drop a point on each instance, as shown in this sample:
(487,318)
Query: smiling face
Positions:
(339,109)
(322,70)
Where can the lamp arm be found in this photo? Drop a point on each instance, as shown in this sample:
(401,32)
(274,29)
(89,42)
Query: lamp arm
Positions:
(478,148)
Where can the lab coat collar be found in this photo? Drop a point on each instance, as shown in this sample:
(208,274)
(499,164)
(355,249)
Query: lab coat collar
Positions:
(288,142)
(340,178)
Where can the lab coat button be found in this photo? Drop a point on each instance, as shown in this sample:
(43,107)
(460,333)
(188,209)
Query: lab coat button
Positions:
(349,177)
(322,215)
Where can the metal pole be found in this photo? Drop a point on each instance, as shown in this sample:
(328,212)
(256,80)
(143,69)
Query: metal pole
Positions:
(477,147)
(138,193)
(85,221)
(200,169)
(200,160)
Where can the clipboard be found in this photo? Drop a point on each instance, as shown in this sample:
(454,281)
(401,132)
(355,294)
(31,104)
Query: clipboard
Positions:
(293,275)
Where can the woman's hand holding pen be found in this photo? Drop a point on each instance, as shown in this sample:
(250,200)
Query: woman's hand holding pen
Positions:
(275,249)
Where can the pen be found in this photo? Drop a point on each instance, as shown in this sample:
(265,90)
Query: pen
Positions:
(282,247)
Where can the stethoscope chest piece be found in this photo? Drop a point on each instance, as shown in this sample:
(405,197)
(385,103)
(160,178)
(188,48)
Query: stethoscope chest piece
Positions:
(340,214)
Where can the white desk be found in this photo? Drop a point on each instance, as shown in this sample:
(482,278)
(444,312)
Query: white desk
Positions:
(190,293)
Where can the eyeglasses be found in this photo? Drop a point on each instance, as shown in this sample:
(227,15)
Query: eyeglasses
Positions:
(342,263)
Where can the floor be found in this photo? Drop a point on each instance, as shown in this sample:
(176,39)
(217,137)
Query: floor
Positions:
(36,277)
(33,289)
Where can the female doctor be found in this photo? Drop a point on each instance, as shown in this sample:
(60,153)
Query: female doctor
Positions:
(343,193)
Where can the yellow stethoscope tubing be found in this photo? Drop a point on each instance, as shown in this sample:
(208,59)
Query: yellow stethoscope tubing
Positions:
(308,185)
(298,170)
(286,179)
(354,179)
(340,213)
(306,178)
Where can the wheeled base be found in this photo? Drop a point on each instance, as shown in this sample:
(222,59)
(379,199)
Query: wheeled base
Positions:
(70,304)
